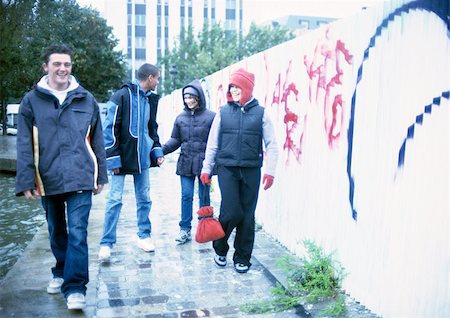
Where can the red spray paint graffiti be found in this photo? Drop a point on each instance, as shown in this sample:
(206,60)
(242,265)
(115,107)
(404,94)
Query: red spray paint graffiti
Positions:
(325,74)
(288,95)
(220,99)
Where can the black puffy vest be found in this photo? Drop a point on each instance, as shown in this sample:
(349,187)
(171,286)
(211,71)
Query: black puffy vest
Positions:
(240,140)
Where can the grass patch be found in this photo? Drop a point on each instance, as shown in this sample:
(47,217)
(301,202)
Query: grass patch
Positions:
(310,279)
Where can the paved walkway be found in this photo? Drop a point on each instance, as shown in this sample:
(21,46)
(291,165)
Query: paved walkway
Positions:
(174,281)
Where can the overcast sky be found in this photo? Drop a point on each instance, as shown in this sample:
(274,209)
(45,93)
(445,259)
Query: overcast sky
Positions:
(263,10)
(320,8)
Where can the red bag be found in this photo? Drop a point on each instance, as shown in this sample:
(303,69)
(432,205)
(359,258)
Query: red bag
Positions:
(208,228)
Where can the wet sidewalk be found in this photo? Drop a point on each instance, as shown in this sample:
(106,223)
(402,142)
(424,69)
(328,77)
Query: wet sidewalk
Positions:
(174,281)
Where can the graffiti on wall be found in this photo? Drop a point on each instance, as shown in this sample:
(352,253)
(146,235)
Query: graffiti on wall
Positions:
(325,72)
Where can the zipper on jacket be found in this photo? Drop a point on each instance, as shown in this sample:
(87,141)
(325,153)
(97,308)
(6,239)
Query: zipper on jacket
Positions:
(139,141)
(241,124)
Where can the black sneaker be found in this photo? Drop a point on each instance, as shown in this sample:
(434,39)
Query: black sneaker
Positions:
(221,261)
(241,268)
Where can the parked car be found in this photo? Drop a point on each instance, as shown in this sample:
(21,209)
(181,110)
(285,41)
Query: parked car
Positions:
(12,111)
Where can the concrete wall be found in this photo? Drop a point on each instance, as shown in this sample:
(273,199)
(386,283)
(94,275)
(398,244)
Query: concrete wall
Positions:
(361,108)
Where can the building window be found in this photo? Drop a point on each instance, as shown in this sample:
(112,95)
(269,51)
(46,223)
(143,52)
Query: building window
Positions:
(230,25)
(139,9)
(140,54)
(231,4)
(139,19)
(182,23)
(139,42)
(213,10)
(230,14)
(139,30)
(303,24)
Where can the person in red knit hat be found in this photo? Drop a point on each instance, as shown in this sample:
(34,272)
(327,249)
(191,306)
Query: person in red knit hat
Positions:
(235,148)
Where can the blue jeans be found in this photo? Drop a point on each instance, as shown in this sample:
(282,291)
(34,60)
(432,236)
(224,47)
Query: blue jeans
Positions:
(68,238)
(114,206)
(187,197)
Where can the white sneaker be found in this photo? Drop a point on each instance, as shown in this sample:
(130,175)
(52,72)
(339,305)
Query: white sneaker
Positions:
(146,244)
(54,286)
(76,301)
(104,254)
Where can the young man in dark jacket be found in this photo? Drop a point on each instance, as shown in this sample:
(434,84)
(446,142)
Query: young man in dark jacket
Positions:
(61,157)
(131,141)
(235,146)
(190,131)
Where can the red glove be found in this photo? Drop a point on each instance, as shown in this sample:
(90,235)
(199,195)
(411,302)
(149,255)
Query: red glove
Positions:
(267,181)
(204,177)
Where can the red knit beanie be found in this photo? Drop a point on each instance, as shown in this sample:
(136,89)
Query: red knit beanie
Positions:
(245,81)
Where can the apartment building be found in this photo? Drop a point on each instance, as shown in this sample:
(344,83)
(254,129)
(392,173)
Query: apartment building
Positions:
(148,29)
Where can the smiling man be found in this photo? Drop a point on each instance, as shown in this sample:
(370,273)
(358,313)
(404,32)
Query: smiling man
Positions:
(61,158)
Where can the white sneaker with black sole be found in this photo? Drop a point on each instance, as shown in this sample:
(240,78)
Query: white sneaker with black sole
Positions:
(220,261)
(241,268)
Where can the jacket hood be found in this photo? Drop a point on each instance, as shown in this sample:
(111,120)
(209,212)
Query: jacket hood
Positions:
(74,90)
(196,85)
(43,83)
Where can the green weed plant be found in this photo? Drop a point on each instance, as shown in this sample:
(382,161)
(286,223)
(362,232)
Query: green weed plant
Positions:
(311,279)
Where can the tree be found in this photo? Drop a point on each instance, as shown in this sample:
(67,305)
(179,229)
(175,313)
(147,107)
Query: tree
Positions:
(14,15)
(28,26)
(214,49)
(97,66)
(184,52)
(260,38)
